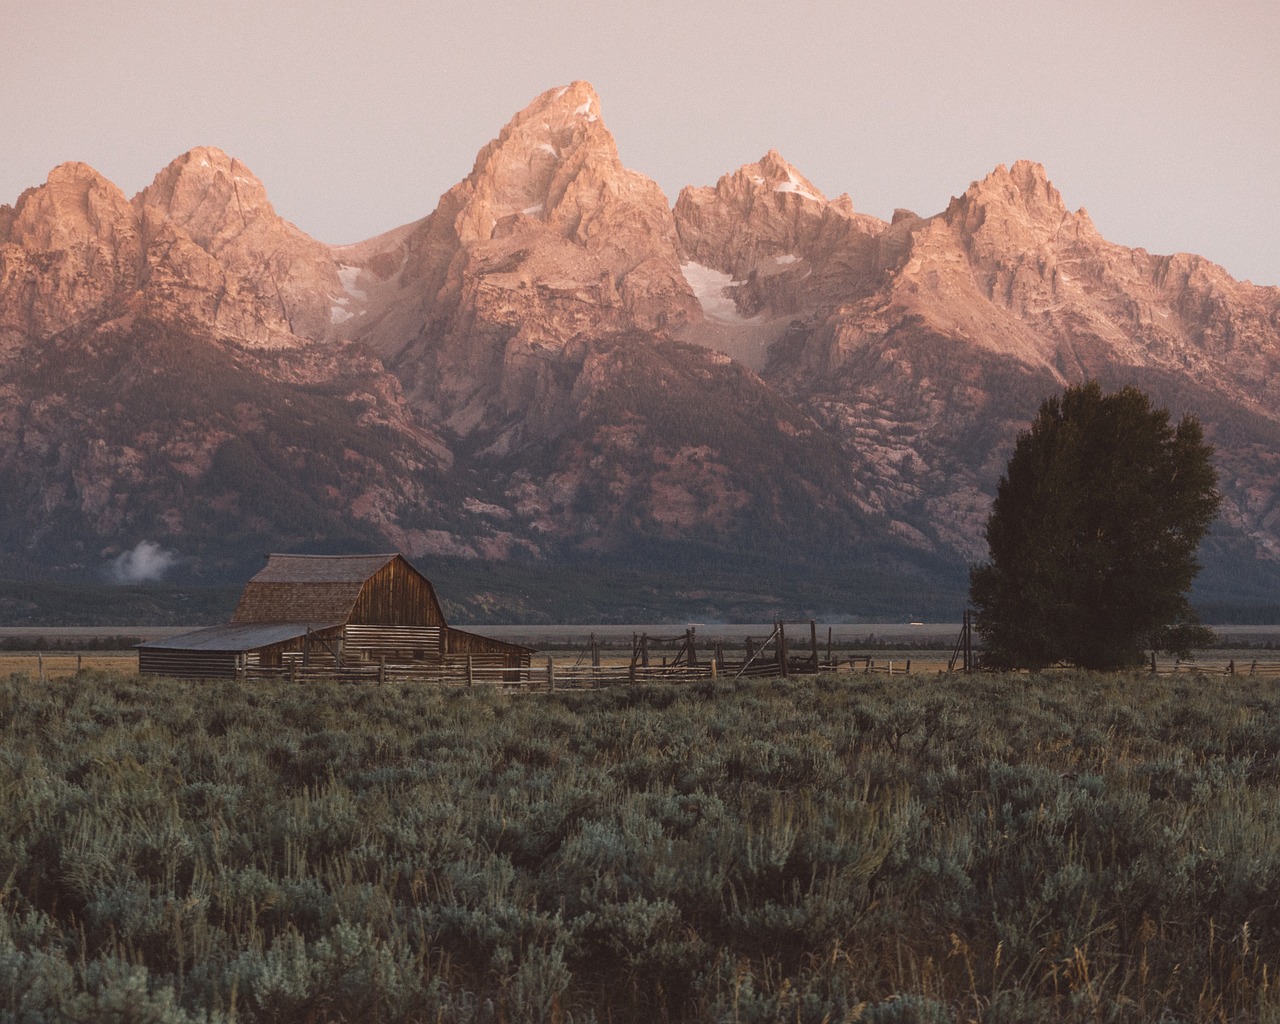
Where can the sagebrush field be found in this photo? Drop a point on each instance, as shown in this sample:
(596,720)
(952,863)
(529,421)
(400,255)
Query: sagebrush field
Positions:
(996,848)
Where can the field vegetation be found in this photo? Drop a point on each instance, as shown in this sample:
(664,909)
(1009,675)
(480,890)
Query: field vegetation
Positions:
(1050,847)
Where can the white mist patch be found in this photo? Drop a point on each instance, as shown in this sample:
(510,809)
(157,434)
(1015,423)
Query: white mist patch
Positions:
(146,563)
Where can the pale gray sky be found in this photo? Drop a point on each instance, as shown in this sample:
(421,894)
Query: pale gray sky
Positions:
(1159,117)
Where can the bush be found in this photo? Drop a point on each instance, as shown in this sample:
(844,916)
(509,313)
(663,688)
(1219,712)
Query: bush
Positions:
(1024,848)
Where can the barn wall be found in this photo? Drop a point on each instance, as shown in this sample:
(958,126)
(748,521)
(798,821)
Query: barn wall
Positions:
(513,655)
(392,643)
(397,595)
(187,664)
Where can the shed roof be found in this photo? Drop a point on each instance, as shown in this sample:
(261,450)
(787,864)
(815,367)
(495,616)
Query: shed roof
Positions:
(490,642)
(250,636)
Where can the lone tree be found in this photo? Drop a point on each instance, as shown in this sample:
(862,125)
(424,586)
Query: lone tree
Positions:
(1093,535)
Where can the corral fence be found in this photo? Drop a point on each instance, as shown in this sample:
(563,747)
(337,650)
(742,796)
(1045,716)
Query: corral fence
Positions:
(1231,667)
(669,659)
(547,677)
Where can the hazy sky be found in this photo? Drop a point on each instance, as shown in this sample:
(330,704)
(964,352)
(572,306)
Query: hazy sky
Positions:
(1159,117)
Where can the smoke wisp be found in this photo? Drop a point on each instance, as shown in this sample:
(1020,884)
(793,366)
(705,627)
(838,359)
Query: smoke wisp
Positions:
(145,563)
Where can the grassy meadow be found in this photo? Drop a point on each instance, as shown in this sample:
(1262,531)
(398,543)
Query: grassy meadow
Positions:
(1058,847)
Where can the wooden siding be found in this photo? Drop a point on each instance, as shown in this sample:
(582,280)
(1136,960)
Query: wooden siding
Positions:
(394,643)
(316,648)
(460,642)
(188,664)
(397,595)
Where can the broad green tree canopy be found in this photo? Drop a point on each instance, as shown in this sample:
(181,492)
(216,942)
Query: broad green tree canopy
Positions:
(1093,534)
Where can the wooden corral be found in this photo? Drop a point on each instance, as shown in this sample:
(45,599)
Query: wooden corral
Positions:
(307,613)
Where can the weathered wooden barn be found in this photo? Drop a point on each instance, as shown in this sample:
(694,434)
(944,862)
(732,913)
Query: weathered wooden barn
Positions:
(329,611)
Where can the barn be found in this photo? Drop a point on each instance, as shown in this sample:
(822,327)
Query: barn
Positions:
(336,612)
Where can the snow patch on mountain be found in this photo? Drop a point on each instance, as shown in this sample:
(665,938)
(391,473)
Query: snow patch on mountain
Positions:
(791,185)
(709,288)
(348,277)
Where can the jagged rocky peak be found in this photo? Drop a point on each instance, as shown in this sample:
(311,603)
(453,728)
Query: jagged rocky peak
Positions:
(549,200)
(771,176)
(76,204)
(67,249)
(768,227)
(554,163)
(1019,203)
(209,194)
(776,174)
(762,212)
(218,253)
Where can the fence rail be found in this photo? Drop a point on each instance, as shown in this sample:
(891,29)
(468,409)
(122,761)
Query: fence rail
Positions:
(531,678)
(552,676)
(1217,668)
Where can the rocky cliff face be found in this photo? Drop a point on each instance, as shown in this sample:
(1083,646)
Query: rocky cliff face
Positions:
(948,330)
(549,243)
(217,252)
(200,248)
(770,229)
(67,250)
(554,363)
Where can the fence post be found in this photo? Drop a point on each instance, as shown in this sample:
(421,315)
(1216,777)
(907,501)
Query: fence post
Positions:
(293,670)
(551,674)
(471,678)
(40,666)
(382,669)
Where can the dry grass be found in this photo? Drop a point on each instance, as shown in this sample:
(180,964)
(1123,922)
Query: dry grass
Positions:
(1063,847)
(61,665)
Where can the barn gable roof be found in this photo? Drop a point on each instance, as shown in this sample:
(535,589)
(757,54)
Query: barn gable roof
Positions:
(307,588)
(321,568)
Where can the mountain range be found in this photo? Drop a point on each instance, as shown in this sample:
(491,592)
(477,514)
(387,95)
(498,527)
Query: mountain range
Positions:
(557,369)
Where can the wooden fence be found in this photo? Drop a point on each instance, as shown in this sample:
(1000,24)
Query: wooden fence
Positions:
(1216,668)
(551,676)
(466,673)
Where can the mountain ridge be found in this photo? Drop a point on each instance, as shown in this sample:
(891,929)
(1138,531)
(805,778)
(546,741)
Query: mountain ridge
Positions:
(558,363)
